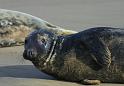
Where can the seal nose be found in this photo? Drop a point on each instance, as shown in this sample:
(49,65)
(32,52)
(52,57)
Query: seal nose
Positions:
(29,54)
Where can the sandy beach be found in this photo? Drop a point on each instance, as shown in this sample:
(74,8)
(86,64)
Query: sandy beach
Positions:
(75,15)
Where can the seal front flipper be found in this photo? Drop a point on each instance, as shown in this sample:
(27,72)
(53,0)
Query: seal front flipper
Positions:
(99,52)
(90,82)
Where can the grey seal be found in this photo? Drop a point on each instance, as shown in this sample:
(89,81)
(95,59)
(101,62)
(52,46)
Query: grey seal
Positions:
(15,26)
(89,57)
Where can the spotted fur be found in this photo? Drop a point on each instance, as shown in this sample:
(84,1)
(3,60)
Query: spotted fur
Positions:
(15,26)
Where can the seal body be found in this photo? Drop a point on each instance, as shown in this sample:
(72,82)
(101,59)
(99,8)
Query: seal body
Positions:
(94,54)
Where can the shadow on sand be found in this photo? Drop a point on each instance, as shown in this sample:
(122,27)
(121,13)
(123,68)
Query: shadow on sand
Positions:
(23,71)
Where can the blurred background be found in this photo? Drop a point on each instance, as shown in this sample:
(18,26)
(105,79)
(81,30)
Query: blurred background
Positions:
(72,14)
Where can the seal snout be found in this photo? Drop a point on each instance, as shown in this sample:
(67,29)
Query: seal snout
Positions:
(29,54)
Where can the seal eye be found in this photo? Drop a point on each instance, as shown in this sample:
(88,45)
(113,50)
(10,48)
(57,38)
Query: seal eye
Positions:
(43,41)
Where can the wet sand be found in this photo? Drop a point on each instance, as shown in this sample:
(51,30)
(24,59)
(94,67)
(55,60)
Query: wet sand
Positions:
(72,14)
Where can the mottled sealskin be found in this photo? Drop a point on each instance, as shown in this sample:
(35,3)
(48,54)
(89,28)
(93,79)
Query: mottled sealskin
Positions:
(15,26)
(90,57)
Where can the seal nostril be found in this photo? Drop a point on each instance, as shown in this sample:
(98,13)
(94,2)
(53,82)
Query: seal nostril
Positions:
(31,53)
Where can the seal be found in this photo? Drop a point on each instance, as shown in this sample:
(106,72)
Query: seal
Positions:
(15,26)
(89,57)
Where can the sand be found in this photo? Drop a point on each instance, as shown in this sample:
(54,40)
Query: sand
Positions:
(72,14)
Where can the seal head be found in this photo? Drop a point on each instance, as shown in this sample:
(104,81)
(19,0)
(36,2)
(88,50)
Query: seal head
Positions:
(38,44)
